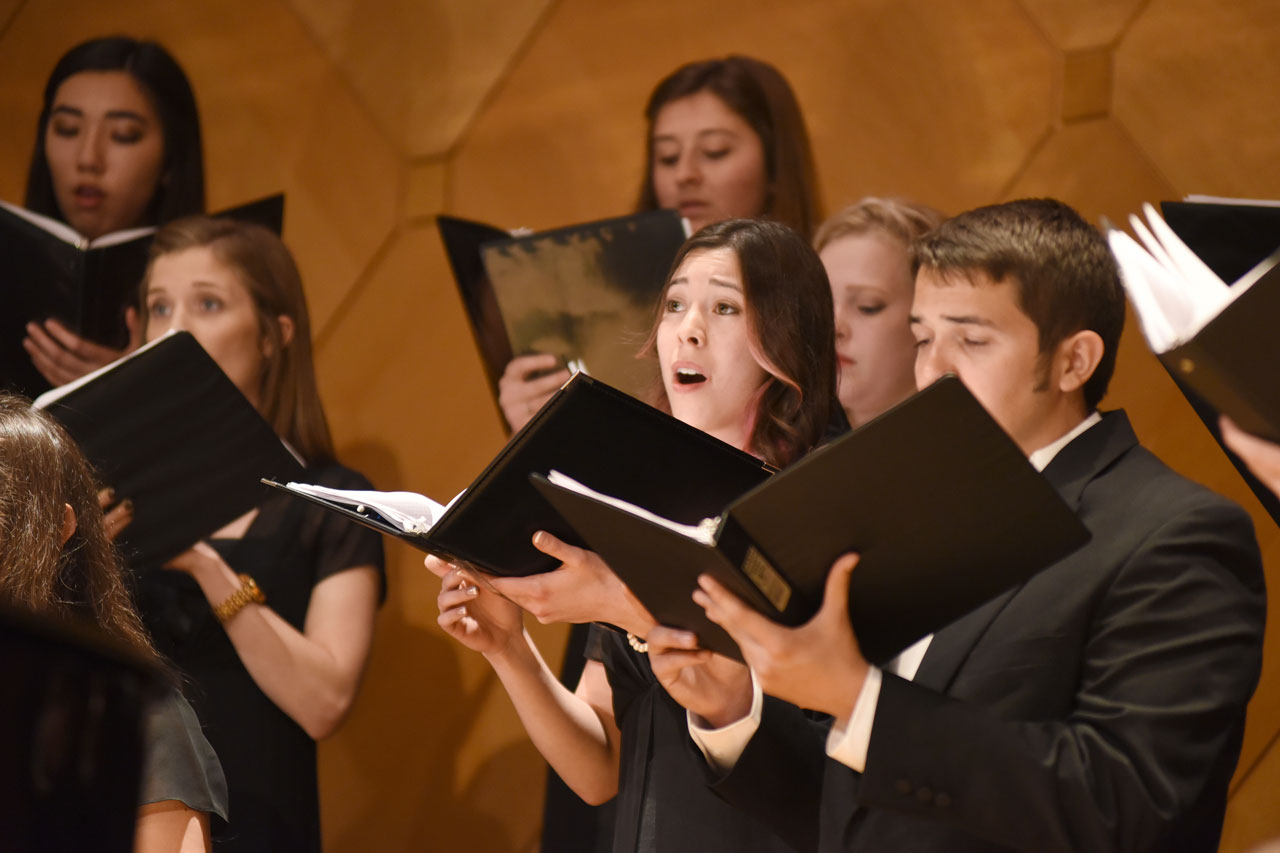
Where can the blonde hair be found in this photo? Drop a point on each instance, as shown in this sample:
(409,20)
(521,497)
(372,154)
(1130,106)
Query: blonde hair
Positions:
(905,220)
(290,399)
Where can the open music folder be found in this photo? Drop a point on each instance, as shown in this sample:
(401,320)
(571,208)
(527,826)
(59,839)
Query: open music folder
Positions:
(1216,339)
(49,271)
(167,429)
(589,430)
(943,507)
(585,293)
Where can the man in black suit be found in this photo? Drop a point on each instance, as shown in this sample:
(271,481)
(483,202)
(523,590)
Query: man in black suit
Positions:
(1100,705)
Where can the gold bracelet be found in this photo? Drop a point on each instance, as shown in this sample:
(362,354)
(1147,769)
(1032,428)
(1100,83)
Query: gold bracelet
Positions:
(636,643)
(248,592)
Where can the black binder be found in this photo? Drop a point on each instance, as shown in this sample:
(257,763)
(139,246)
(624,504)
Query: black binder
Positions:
(167,429)
(49,271)
(942,505)
(594,432)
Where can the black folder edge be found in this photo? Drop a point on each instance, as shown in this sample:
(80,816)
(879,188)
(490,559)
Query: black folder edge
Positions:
(173,346)
(1201,225)
(711,636)
(371,519)
(437,540)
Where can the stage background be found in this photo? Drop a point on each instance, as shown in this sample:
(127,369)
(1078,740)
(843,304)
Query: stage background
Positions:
(374,116)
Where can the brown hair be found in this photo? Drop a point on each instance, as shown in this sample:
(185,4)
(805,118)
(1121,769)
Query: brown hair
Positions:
(758,93)
(290,397)
(791,328)
(1066,278)
(41,472)
(905,220)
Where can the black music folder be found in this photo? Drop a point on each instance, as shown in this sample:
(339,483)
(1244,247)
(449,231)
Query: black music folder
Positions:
(941,504)
(1231,235)
(166,428)
(586,293)
(49,271)
(1216,340)
(588,430)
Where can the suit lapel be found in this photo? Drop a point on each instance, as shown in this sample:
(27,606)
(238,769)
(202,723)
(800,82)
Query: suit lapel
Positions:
(952,644)
(1069,472)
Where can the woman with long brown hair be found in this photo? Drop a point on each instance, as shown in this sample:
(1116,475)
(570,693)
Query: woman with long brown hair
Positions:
(745,342)
(726,140)
(272,617)
(56,560)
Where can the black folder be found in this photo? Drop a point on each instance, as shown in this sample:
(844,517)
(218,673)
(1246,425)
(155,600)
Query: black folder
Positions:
(168,430)
(1231,363)
(49,271)
(585,292)
(943,507)
(594,432)
(1230,238)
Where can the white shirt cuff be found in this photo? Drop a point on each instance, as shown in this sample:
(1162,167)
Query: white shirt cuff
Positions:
(848,744)
(723,747)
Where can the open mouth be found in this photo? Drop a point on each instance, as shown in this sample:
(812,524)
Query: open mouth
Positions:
(88,196)
(689,376)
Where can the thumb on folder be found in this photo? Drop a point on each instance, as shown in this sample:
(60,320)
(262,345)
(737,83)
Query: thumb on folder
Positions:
(817,665)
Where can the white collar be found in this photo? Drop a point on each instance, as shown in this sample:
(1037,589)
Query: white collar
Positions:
(1042,457)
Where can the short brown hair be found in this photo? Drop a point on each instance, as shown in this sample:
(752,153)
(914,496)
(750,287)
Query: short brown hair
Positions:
(758,93)
(791,328)
(290,397)
(1066,277)
(904,220)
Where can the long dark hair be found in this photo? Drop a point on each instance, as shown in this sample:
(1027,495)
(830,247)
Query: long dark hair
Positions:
(180,191)
(42,471)
(791,331)
(289,397)
(758,93)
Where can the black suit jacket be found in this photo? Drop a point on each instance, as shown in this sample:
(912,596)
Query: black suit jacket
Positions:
(1098,707)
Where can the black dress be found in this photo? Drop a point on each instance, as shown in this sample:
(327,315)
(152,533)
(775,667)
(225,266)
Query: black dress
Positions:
(663,801)
(269,761)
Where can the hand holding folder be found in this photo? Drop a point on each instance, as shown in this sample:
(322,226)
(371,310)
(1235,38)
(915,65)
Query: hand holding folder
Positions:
(168,430)
(942,505)
(593,432)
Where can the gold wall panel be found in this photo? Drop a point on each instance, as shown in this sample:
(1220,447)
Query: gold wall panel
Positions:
(1196,84)
(901,98)
(1080,24)
(422,69)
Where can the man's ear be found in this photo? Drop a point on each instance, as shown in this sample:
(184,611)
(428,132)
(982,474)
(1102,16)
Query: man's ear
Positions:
(68,522)
(1078,357)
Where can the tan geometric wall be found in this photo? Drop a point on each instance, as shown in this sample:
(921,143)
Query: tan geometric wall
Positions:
(374,116)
